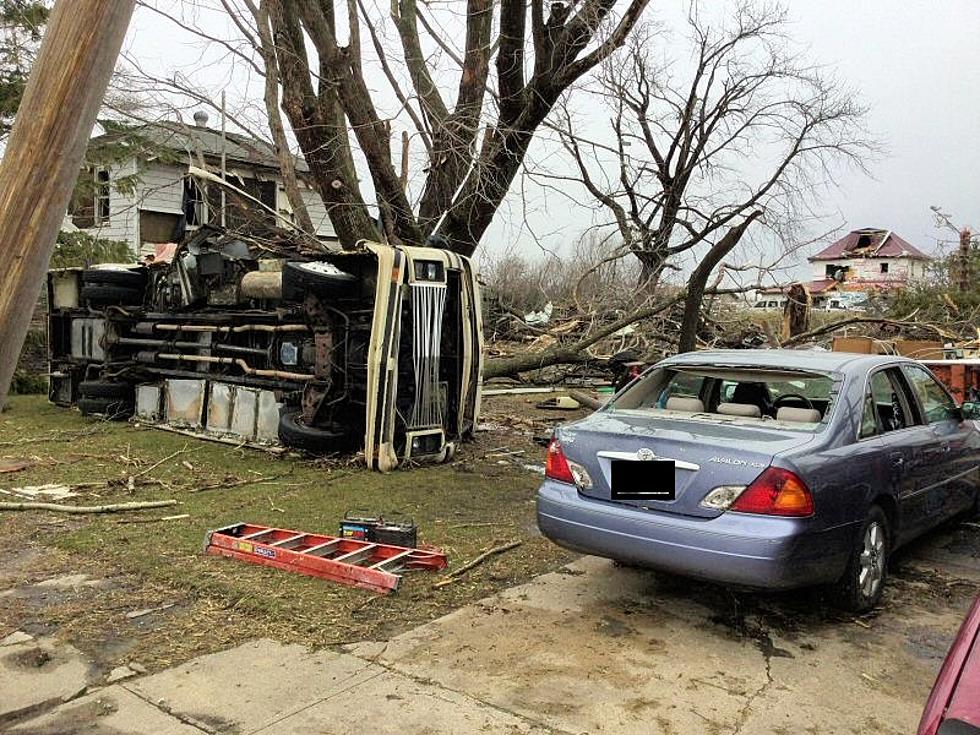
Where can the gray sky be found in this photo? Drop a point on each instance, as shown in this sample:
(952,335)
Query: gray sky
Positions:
(913,63)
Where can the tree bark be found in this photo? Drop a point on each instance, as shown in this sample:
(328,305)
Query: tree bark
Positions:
(287,163)
(45,151)
(698,281)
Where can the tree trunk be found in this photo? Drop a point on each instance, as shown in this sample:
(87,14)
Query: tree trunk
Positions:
(45,151)
(287,163)
(698,281)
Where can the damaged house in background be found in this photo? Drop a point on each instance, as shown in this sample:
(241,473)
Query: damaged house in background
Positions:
(136,189)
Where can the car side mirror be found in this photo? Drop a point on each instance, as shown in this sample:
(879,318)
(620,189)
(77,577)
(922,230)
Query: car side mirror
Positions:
(970,411)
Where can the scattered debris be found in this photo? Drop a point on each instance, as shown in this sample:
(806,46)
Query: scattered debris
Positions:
(50,492)
(562,403)
(177,517)
(110,508)
(587,401)
(13,465)
(119,673)
(18,636)
(141,613)
(457,573)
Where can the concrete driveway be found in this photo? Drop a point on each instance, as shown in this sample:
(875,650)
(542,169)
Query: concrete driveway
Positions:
(591,648)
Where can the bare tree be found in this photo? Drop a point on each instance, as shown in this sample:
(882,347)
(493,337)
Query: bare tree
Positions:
(699,150)
(474,115)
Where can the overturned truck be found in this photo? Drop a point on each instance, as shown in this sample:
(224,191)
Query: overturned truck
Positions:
(375,349)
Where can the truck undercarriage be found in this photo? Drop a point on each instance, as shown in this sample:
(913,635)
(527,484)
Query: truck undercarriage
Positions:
(376,349)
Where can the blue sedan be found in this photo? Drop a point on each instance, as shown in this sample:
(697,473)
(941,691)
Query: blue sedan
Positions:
(771,469)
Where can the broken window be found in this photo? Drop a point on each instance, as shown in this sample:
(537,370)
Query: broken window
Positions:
(195,205)
(243,212)
(90,202)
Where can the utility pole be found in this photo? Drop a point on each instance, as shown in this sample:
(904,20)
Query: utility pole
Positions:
(45,151)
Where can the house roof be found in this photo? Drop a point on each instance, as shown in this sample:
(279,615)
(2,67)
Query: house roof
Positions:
(189,138)
(870,242)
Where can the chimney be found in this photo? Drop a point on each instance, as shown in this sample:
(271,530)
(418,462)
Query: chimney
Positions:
(201,119)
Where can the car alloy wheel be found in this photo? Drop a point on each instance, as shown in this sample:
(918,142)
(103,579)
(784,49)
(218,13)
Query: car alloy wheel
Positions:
(872,560)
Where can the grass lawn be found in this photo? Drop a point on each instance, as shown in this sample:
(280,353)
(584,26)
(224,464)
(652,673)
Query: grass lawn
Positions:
(132,564)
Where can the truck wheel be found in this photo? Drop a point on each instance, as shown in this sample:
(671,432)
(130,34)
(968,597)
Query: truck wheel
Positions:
(115,277)
(105,389)
(111,295)
(114,409)
(314,439)
(322,279)
(861,587)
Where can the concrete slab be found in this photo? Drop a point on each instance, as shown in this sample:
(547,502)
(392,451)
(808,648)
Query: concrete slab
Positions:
(603,649)
(107,712)
(393,704)
(34,675)
(249,687)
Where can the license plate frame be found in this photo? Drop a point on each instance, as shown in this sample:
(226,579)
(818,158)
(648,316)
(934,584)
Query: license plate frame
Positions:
(643,480)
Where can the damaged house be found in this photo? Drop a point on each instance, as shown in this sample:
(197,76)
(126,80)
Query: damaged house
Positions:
(139,192)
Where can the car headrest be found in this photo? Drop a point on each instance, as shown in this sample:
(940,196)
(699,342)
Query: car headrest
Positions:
(679,403)
(748,410)
(798,415)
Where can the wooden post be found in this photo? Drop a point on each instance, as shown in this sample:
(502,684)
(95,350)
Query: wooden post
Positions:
(44,153)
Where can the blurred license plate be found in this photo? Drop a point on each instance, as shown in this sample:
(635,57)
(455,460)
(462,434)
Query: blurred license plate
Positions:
(635,480)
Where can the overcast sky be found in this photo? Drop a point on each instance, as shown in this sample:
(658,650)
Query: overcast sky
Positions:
(914,63)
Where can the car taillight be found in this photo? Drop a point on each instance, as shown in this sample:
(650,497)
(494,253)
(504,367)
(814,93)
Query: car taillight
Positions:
(776,492)
(556,465)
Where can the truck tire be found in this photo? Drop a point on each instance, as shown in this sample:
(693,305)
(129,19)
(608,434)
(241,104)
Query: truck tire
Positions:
(115,277)
(322,279)
(316,440)
(105,389)
(110,295)
(114,409)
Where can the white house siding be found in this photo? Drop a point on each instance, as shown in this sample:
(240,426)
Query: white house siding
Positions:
(162,188)
(318,214)
(123,219)
(869,269)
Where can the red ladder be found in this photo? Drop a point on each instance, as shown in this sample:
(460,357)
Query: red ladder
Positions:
(361,564)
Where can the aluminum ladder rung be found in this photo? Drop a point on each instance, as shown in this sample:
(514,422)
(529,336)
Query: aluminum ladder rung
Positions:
(357,555)
(256,534)
(390,559)
(326,547)
(286,540)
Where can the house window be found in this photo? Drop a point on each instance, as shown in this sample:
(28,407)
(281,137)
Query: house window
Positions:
(90,202)
(884,267)
(195,206)
(102,196)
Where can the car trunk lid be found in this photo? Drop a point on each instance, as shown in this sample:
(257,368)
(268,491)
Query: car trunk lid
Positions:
(706,454)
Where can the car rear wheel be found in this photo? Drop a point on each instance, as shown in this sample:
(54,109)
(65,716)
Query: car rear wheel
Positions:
(863,583)
(314,439)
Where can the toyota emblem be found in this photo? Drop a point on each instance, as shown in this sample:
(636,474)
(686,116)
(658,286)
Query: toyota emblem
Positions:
(645,454)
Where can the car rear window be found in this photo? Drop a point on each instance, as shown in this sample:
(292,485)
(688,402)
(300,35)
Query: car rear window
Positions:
(796,400)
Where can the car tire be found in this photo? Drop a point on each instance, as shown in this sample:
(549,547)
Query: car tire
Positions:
(313,439)
(105,389)
(104,294)
(135,279)
(114,409)
(863,582)
(300,278)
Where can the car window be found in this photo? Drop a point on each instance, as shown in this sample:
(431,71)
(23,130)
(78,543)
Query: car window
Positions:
(890,403)
(936,403)
(869,418)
